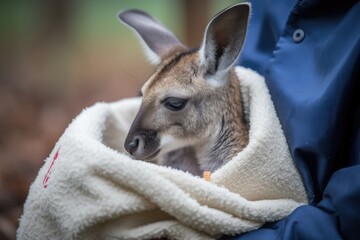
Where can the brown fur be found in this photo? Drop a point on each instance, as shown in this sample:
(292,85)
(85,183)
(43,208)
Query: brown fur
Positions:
(212,111)
(191,116)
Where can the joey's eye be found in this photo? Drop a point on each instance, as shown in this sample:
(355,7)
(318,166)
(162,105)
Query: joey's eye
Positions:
(174,103)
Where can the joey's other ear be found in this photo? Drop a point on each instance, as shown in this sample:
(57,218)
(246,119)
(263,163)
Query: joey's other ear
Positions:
(156,39)
(223,40)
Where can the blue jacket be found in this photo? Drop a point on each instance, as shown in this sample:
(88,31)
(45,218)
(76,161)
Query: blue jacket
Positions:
(309,53)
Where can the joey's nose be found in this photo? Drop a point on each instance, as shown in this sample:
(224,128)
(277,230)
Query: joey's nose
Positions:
(133,145)
(142,144)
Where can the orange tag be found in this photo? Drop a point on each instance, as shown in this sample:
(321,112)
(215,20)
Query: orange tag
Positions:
(207,175)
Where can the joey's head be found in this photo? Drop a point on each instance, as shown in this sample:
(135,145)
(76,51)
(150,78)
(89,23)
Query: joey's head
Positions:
(183,99)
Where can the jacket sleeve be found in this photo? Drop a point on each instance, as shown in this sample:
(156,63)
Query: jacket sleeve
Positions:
(335,217)
(315,87)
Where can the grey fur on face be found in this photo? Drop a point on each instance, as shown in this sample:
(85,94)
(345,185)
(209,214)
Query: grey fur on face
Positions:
(193,99)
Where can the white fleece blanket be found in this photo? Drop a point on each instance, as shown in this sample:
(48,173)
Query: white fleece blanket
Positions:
(89,188)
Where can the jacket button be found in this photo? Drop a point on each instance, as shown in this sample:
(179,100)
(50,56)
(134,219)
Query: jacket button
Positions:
(298,35)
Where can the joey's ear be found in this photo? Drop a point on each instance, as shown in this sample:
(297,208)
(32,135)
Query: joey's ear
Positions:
(156,39)
(223,40)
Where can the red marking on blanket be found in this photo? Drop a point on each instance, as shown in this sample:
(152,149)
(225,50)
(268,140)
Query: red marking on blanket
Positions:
(47,176)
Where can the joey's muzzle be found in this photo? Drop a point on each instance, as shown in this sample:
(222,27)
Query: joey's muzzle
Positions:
(142,144)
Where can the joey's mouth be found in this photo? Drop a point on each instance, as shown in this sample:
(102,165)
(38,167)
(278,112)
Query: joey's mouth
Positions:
(152,155)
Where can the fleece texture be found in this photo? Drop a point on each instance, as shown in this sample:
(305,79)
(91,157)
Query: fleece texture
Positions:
(89,188)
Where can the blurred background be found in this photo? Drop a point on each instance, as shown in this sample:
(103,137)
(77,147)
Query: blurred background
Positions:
(58,57)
